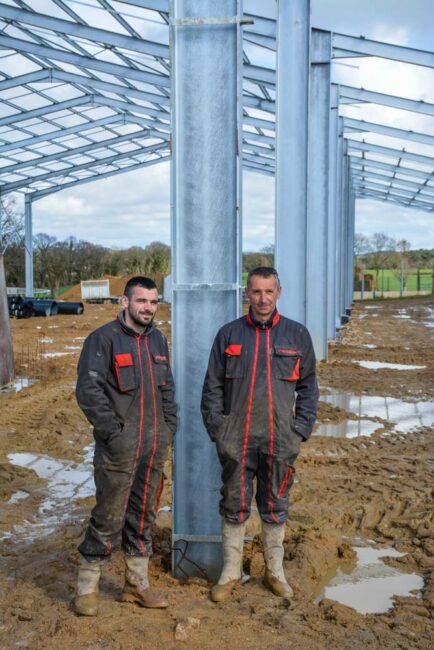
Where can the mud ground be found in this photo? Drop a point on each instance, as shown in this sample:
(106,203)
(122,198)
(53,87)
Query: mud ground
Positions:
(378,488)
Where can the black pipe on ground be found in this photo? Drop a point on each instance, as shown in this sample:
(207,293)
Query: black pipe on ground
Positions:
(42,307)
(66,307)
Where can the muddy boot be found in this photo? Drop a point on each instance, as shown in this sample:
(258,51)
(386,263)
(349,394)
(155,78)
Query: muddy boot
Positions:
(233,541)
(136,588)
(272,539)
(86,595)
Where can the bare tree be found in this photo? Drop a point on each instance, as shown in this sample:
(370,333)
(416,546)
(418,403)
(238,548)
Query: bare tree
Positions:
(11,226)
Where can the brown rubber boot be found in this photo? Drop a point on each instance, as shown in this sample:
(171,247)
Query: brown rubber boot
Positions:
(233,541)
(136,588)
(86,595)
(274,579)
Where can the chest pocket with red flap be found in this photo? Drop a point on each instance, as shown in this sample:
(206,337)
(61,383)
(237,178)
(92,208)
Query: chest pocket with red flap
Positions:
(286,363)
(160,367)
(234,361)
(124,370)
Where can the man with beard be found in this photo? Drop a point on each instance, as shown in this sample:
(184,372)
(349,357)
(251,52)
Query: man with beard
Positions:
(259,404)
(125,388)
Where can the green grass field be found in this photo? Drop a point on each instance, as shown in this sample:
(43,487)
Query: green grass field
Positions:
(389,279)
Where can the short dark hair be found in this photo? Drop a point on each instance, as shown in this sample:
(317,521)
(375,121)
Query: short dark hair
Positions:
(138,281)
(263,272)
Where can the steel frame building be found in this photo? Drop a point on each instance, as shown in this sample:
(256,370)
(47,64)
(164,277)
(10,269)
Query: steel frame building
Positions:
(94,88)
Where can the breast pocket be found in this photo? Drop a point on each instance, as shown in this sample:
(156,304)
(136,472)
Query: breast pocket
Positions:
(286,363)
(160,366)
(234,361)
(125,373)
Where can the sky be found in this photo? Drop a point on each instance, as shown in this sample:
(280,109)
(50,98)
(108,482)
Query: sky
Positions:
(134,208)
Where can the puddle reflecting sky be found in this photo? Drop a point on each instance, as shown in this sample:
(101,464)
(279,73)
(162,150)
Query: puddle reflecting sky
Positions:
(406,415)
(376,365)
(17,385)
(369,588)
(348,428)
(66,481)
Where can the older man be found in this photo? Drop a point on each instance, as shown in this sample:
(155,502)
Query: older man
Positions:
(125,389)
(259,403)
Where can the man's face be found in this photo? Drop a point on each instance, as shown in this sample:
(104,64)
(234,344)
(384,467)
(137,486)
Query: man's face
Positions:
(263,295)
(140,307)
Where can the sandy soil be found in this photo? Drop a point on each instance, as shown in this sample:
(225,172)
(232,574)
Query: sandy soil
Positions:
(378,488)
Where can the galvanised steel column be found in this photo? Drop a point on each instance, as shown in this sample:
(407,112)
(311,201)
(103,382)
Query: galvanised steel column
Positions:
(333,244)
(292,99)
(340,219)
(351,229)
(205,264)
(344,234)
(318,192)
(28,244)
(346,204)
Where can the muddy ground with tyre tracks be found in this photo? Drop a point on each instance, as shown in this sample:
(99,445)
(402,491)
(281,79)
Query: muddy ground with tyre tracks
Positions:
(364,488)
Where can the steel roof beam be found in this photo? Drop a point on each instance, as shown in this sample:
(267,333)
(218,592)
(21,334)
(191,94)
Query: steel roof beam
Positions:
(106,86)
(389,188)
(355,145)
(258,159)
(379,197)
(365,175)
(154,5)
(261,169)
(259,75)
(249,135)
(79,128)
(17,185)
(76,30)
(21,80)
(361,163)
(360,94)
(371,127)
(259,123)
(366,47)
(85,149)
(261,150)
(395,192)
(46,110)
(39,194)
(81,61)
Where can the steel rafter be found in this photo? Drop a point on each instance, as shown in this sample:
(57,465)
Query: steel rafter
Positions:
(128,76)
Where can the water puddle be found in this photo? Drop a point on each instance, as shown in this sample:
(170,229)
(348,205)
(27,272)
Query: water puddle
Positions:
(48,355)
(405,415)
(376,365)
(18,384)
(66,481)
(72,347)
(369,588)
(19,495)
(347,428)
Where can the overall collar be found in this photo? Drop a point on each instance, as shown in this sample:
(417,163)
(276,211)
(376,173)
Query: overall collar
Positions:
(263,325)
(128,330)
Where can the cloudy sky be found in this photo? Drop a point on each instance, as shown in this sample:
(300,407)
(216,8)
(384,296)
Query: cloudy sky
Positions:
(133,208)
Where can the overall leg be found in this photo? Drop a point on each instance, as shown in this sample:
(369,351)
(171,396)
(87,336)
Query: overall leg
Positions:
(112,473)
(275,477)
(237,490)
(137,531)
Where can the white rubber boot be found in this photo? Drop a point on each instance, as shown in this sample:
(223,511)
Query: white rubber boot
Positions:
(136,588)
(272,540)
(233,542)
(86,595)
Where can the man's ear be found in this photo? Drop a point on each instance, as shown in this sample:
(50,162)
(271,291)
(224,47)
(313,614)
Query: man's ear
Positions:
(124,302)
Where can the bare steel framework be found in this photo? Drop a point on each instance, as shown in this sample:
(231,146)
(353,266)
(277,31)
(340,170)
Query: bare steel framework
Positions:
(94,88)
